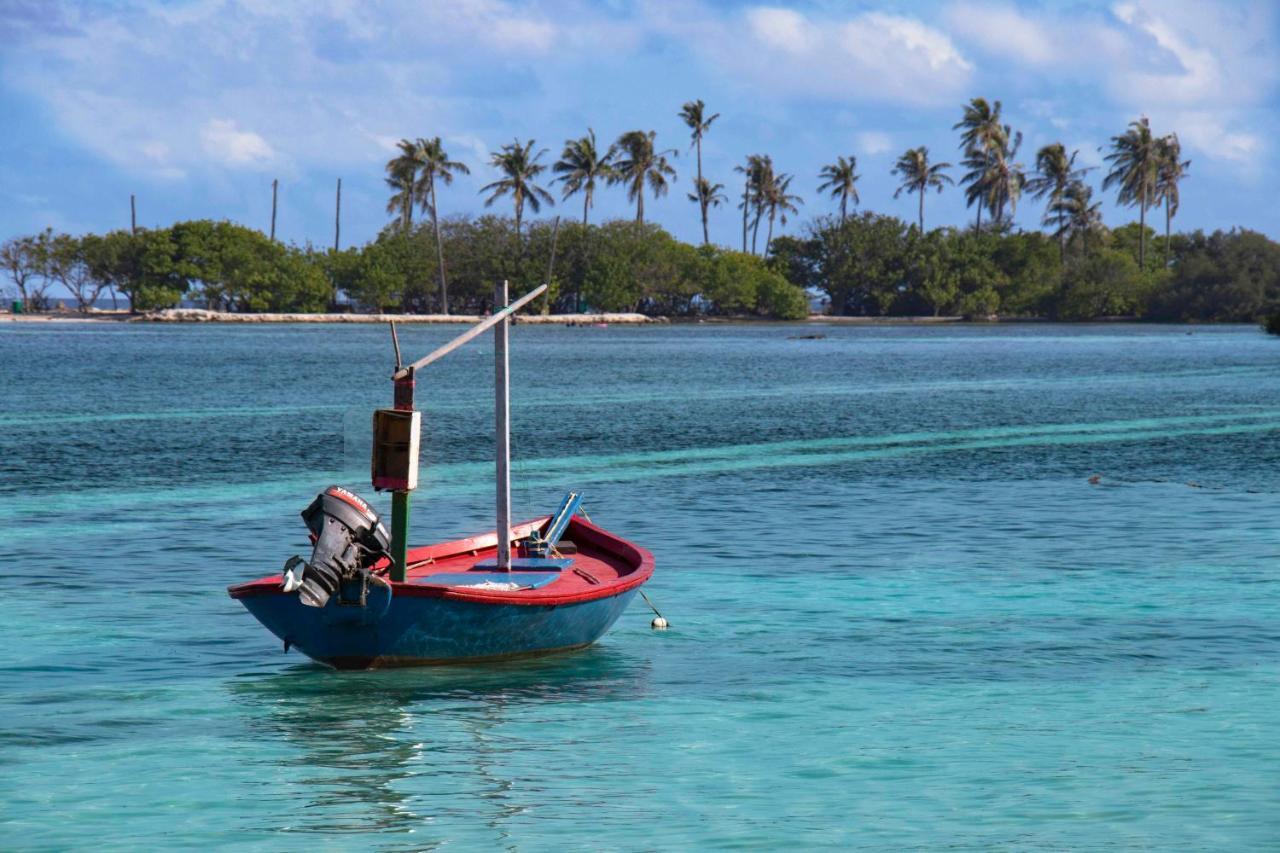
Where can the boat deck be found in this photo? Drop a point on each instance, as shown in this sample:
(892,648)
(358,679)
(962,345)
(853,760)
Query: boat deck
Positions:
(604,565)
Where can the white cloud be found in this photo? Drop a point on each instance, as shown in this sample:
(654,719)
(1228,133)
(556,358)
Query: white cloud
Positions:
(872,142)
(783,29)
(226,143)
(867,57)
(1002,31)
(1206,133)
(1202,68)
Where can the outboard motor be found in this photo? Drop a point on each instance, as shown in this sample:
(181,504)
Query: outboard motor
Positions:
(348,539)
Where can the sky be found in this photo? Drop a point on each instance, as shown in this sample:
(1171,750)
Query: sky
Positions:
(196,106)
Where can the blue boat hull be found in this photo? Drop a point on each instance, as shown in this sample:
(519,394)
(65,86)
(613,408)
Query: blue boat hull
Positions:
(413,631)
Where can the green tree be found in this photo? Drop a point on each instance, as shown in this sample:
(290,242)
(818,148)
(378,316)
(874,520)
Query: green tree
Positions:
(1134,164)
(693,113)
(580,165)
(1076,214)
(26,261)
(520,168)
(402,173)
(1108,283)
(1055,172)
(982,134)
(1170,170)
(639,163)
(67,266)
(918,175)
(840,179)
(707,195)
(435,166)
(779,201)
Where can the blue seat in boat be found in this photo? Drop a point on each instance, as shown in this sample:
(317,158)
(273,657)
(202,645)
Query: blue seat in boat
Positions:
(526,580)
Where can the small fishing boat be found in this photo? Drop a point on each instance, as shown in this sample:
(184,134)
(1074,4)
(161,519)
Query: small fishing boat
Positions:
(365,599)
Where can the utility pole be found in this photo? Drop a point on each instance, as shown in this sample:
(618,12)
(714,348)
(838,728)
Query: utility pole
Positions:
(337,217)
(133,214)
(274,186)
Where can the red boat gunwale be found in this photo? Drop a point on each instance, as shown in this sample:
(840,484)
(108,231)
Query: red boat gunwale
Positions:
(595,547)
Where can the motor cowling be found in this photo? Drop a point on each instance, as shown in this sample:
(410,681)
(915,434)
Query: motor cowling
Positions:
(349,538)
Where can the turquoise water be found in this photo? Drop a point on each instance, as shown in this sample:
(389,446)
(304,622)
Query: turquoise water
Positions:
(902,616)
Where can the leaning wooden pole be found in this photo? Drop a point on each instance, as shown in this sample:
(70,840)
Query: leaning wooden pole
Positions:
(502,429)
(275,183)
(337,217)
(133,214)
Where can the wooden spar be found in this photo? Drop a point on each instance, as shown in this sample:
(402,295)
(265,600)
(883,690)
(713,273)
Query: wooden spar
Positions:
(502,430)
(337,220)
(472,333)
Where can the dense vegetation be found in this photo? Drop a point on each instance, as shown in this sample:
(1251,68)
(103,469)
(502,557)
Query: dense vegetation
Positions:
(617,266)
(865,264)
(869,265)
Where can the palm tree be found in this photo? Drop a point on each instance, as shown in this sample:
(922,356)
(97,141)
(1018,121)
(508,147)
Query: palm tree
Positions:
(707,195)
(982,133)
(752,171)
(779,201)
(1055,170)
(1134,163)
(434,164)
(1170,169)
(694,115)
(918,175)
(1075,213)
(759,182)
(402,172)
(580,166)
(520,166)
(841,180)
(1004,178)
(638,163)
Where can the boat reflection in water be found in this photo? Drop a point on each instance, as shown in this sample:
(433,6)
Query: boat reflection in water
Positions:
(414,750)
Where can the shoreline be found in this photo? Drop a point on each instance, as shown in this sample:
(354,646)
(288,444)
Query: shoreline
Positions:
(199,315)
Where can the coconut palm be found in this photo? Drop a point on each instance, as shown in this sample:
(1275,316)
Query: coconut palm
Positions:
(982,133)
(1170,169)
(841,181)
(1075,213)
(580,165)
(1055,171)
(779,201)
(694,115)
(435,166)
(637,163)
(402,172)
(918,175)
(1134,164)
(752,172)
(758,184)
(707,195)
(1005,177)
(519,165)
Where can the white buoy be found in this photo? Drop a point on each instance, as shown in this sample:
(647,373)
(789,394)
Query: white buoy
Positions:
(658,624)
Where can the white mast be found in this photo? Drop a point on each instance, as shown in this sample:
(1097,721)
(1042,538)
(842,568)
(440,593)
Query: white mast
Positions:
(502,428)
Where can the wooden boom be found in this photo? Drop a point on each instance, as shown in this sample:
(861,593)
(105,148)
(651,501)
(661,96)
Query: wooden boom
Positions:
(473,332)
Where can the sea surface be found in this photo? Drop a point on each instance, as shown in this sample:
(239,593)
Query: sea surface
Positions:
(902,617)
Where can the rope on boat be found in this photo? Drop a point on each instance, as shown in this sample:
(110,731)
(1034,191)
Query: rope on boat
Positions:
(659,622)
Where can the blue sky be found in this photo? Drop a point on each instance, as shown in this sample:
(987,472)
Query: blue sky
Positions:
(196,106)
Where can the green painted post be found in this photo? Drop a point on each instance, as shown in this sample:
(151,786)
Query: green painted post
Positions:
(403,400)
(399,535)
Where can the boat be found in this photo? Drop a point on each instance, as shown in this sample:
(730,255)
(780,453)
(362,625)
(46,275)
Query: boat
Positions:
(365,600)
